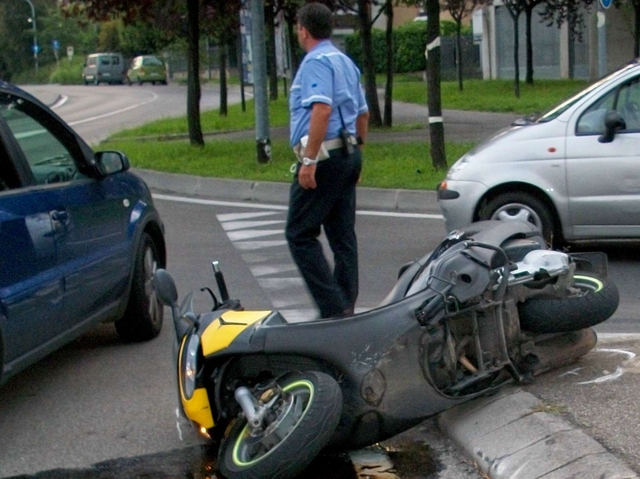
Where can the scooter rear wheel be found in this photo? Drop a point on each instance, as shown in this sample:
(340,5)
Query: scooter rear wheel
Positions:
(297,431)
(598,300)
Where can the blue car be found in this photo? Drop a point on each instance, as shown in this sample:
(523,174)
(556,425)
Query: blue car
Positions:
(80,238)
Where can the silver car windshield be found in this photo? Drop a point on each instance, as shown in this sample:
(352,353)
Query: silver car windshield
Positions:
(565,105)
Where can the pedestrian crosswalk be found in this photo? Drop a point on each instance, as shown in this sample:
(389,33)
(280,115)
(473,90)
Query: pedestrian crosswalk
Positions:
(264,249)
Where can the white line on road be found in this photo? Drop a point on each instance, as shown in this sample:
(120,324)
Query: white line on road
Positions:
(153,98)
(62,99)
(199,201)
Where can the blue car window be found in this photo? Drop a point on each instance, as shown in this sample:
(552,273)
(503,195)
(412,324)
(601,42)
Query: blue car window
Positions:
(49,160)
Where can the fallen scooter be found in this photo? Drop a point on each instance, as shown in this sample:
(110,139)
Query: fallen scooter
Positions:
(489,306)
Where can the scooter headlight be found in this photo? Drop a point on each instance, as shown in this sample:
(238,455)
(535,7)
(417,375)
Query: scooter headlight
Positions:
(190,366)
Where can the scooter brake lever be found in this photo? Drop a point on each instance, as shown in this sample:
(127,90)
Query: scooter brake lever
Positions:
(216,303)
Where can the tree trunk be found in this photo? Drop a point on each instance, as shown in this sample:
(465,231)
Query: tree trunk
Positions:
(459,53)
(368,63)
(388,92)
(243,101)
(636,43)
(224,110)
(272,63)
(528,14)
(293,47)
(434,98)
(193,72)
(516,60)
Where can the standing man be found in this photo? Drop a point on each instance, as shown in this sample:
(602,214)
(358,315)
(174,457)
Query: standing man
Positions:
(329,121)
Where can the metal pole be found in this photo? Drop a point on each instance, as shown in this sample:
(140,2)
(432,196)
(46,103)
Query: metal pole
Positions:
(259,68)
(602,41)
(35,35)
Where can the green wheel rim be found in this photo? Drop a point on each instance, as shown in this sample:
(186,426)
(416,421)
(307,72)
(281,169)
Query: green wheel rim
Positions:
(240,440)
(594,284)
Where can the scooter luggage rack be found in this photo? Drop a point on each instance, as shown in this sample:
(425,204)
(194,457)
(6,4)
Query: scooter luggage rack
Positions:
(489,344)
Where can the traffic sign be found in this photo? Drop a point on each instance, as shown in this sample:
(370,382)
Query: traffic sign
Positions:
(56,44)
(70,52)
(606,3)
(35,48)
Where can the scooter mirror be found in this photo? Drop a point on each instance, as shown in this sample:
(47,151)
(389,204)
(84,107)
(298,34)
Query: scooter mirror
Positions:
(165,288)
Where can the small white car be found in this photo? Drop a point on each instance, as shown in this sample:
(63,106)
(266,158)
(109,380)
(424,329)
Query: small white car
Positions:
(574,171)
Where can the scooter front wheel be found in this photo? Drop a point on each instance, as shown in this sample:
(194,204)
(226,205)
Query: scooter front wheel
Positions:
(298,428)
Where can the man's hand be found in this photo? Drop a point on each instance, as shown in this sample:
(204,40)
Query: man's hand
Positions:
(307,177)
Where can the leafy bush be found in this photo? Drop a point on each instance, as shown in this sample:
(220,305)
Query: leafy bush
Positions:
(409,43)
(68,72)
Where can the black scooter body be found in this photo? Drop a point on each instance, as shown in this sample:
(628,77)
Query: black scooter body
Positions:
(383,359)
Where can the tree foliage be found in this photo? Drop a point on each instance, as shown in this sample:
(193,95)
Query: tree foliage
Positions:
(109,36)
(175,18)
(570,12)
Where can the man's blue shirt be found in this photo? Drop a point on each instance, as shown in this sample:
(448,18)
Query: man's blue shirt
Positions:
(326,75)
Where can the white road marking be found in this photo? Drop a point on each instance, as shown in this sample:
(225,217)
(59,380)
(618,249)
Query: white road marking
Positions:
(620,370)
(251,234)
(272,269)
(61,101)
(253,245)
(153,98)
(236,225)
(200,201)
(243,216)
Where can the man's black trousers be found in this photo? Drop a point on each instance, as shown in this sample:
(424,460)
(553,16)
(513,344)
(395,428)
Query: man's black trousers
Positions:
(332,205)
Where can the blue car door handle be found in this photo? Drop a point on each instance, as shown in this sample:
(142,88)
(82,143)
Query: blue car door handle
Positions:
(60,219)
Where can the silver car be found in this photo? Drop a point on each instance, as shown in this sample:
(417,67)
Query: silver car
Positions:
(574,171)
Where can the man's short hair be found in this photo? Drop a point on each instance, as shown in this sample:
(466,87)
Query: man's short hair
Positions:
(317,19)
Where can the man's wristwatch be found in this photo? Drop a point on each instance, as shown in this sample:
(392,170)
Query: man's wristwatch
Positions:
(308,161)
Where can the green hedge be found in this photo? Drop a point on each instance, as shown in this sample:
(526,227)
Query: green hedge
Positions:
(409,42)
(68,72)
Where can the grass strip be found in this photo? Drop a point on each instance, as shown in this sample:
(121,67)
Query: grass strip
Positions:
(386,164)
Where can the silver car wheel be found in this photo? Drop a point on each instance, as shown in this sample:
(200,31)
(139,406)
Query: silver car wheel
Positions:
(150,267)
(517,211)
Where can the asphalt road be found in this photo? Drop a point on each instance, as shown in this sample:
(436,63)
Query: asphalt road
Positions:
(98,400)
(95,112)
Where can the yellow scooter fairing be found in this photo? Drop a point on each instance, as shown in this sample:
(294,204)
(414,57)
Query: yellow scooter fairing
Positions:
(217,336)
(222,331)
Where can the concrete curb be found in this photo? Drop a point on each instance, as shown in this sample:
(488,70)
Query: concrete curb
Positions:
(399,200)
(508,435)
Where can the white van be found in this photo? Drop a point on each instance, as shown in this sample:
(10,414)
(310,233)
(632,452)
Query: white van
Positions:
(104,67)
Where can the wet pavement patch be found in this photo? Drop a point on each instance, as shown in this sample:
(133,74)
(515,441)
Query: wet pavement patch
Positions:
(412,459)
(198,462)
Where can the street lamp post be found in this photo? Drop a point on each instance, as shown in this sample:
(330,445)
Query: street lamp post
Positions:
(35,34)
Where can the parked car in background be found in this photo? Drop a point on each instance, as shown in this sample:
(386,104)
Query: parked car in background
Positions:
(80,237)
(573,171)
(147,68)
(104,68)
